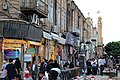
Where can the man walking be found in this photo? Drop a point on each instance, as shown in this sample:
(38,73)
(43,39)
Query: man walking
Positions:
(35,71)
(101,63)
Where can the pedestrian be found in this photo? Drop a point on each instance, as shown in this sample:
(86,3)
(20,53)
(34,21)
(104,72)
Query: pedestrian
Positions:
(88,63)
(43,65)
(54,74)
(101,64)
(66,65)
(4,73)
(42,76)
(35,71)
(26,74)
(94,66)
(11,70)
(19,69)
(71,65)
(56,64)
(110,63)
(49,65)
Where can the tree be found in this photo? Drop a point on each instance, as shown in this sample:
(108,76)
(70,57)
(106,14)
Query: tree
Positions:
(113,48)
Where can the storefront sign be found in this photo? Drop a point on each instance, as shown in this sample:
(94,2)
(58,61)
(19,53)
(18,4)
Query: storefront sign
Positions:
(47,35)
(20,30)
(15,30)
(27,57)
(31,50)
(11,53)
(70,39)
(34,33)
(55,36)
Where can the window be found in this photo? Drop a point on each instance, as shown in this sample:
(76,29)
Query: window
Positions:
(73,21)
(50,10)
(63,20)
(58,15)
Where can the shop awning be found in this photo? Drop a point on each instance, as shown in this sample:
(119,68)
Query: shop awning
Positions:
(55,36)
(62,40)
(14,41)
(35,43)
(47,35)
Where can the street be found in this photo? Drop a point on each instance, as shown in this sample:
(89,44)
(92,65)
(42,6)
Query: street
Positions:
(99,77)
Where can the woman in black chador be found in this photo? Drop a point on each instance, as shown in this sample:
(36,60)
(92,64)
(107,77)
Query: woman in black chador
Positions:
(19,69)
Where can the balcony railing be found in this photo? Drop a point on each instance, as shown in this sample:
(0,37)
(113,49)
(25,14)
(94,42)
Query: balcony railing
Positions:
(34,6)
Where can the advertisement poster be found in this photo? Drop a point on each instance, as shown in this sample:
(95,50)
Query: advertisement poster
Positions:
(11,53)
(27,57)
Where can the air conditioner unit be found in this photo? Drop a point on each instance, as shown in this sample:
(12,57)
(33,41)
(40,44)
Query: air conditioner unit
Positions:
(54,29)
(35,19)
(5,6)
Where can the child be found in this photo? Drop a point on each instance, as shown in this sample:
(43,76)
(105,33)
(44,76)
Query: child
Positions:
(42,76)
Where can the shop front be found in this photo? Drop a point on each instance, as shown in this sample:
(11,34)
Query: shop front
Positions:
(54,46)
(45,42)
(12,48)
(14,35)
(61,51)
(73,46)
(36,50)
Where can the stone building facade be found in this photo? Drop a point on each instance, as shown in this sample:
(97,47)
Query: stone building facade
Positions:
(37,29)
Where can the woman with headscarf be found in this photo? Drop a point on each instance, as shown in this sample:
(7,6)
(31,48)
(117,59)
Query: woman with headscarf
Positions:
(18,67)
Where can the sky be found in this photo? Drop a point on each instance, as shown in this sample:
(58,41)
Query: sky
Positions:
(110,13)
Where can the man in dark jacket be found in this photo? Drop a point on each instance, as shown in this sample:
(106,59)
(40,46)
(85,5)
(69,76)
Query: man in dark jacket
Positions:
(34,71)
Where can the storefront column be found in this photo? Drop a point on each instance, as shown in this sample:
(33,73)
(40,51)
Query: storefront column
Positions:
(47,49)
(56,43)
(22,57)
(38,50)
(1,59)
